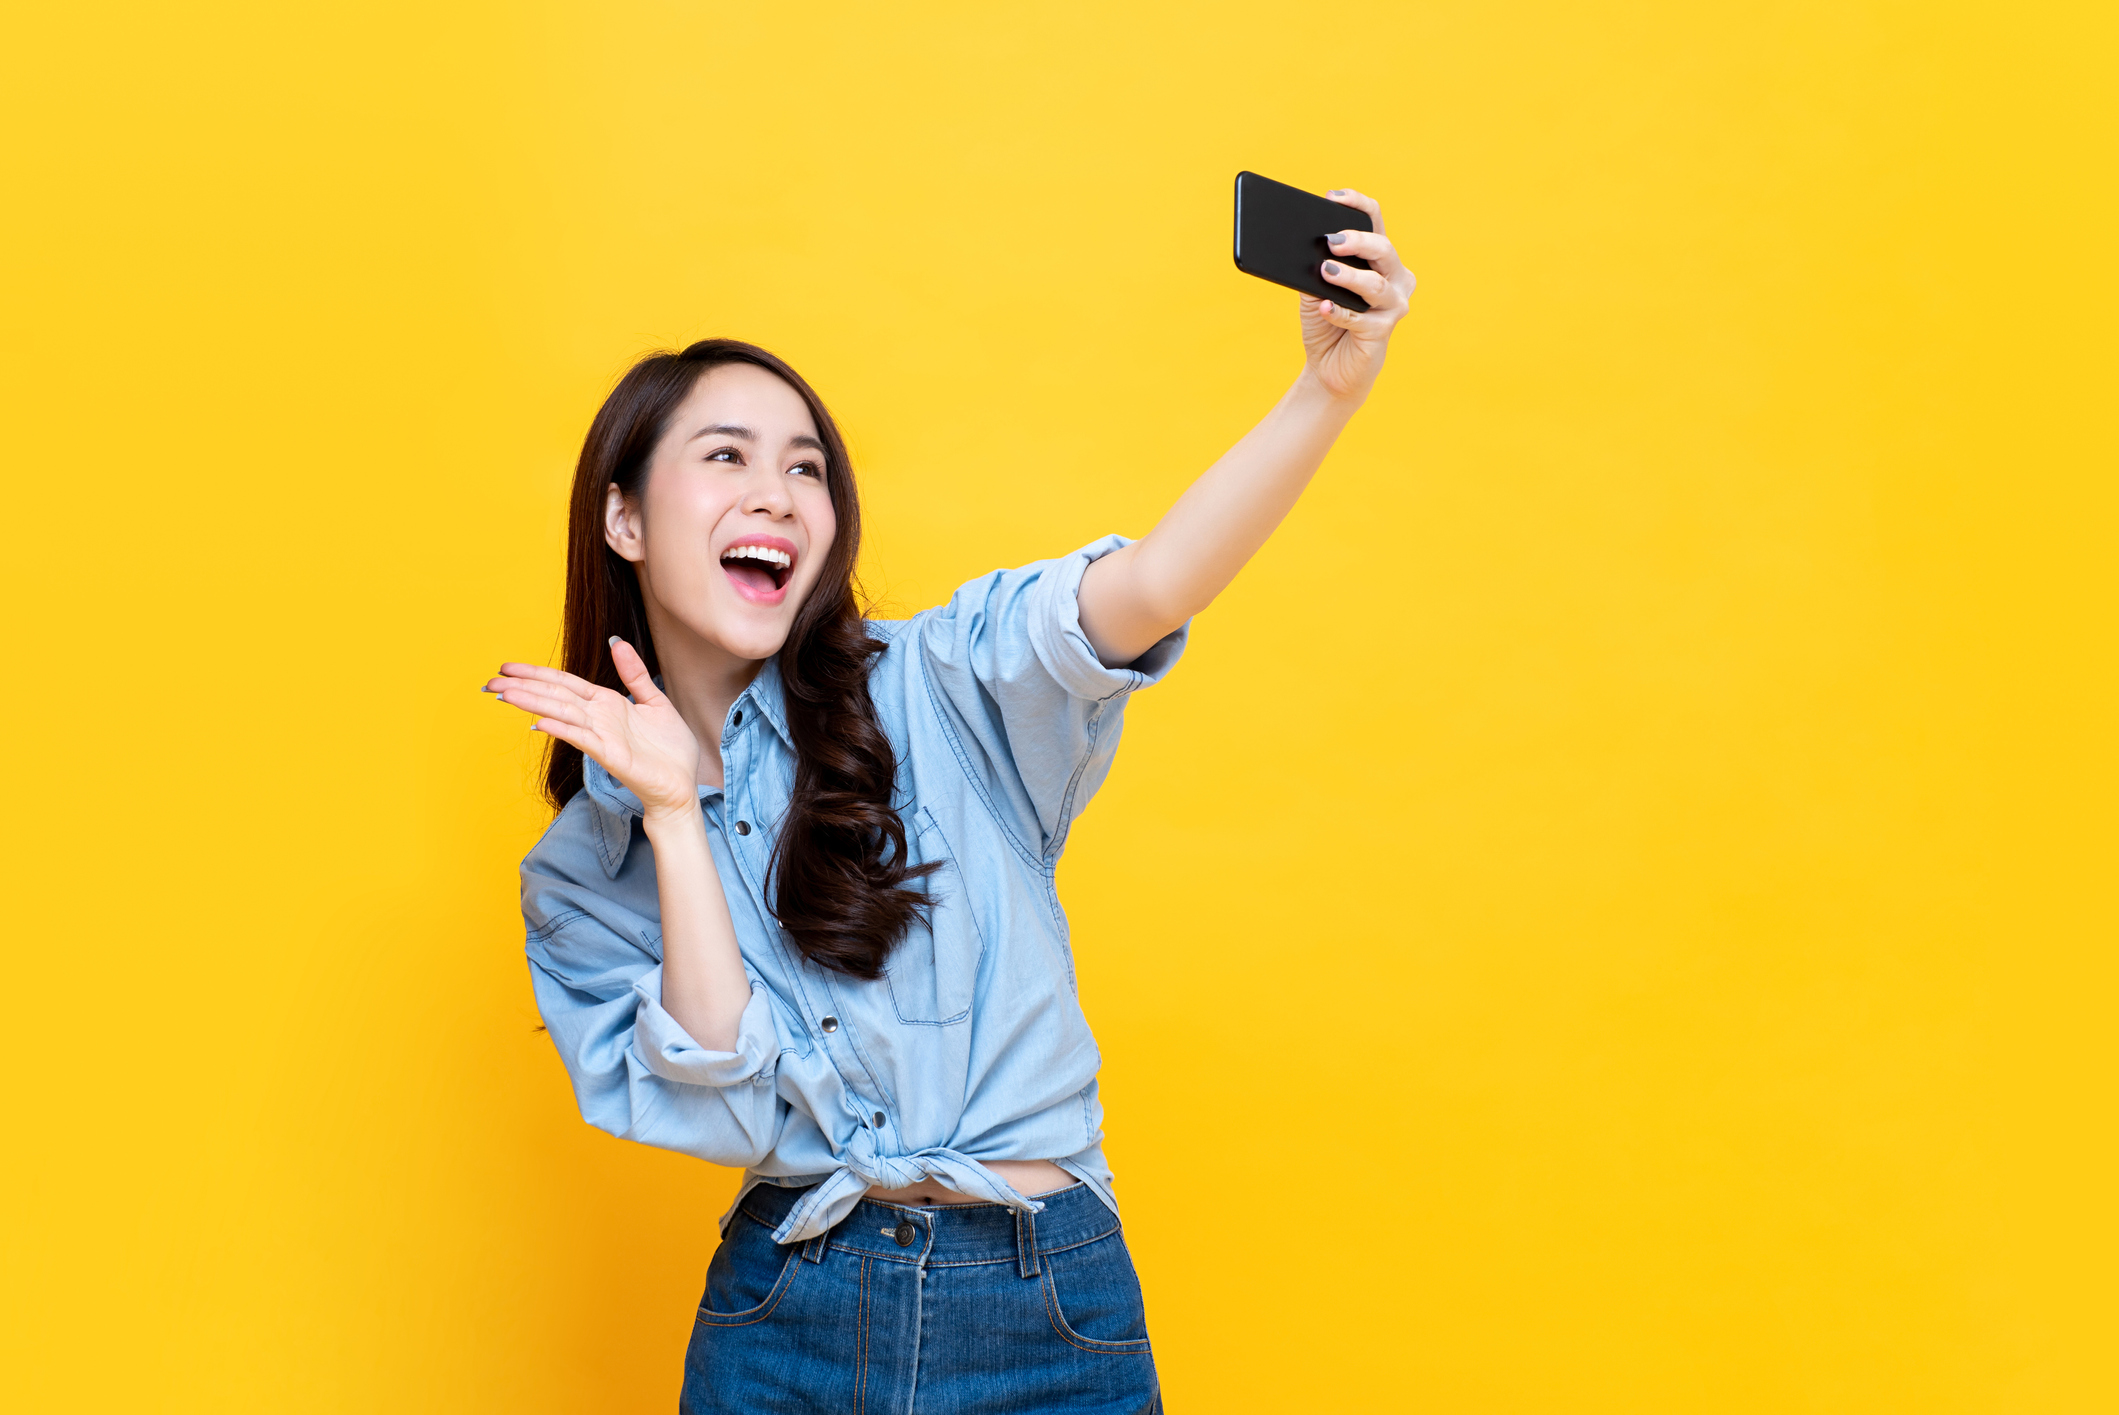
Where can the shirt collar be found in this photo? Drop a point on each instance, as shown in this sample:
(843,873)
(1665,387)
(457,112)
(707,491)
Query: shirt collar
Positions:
(613,808)
(768,692)
(612,811)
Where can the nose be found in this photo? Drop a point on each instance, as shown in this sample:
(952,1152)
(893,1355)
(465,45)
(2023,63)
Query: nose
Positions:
(766,491)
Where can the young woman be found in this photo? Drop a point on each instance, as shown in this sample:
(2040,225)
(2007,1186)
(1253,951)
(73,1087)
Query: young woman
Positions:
(797,910)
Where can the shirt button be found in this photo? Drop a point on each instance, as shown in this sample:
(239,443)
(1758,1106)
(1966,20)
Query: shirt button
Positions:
(743,827)
(905,1234)
(830,1024)
(879,1120)
(737,721)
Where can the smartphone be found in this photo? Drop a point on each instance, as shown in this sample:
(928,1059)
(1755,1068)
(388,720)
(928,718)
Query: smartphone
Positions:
(1280,234)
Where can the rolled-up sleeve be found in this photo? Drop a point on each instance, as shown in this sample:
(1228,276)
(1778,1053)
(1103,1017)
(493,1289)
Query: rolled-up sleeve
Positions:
(636,1073)
(1034,714)
(666,1049)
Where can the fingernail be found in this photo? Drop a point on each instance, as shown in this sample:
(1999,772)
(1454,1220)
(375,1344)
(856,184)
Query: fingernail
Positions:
(1331,267)
(1337,238)
(1337,192)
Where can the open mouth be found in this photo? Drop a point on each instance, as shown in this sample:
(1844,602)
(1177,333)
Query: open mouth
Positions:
(760,572)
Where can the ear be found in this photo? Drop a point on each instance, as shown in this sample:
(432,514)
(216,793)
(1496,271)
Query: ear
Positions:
(621,525)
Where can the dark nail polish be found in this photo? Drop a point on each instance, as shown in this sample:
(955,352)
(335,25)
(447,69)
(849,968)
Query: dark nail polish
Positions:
(1331,267)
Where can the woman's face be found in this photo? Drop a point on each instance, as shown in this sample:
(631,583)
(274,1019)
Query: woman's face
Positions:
(734,520)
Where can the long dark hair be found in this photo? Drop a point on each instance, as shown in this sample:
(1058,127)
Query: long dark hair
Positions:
(839,871)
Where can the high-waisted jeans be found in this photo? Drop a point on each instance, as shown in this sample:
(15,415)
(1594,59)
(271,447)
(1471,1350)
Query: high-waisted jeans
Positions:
(957,1309)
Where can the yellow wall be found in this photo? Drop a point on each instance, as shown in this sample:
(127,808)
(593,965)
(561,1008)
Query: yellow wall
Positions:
(1614,913)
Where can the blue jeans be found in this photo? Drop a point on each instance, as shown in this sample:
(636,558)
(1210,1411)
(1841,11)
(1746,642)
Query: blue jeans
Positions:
(958,1309)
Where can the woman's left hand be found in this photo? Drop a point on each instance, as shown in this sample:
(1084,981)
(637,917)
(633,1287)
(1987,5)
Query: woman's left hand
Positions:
(1344,349)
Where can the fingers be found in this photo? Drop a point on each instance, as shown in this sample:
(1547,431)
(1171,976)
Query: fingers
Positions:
(1347,196)
(512,674)
(558,716)
(564,707)
(1365,283)
(632,671)
(1371,247)
(572,736)
(535,688)
(1338,314)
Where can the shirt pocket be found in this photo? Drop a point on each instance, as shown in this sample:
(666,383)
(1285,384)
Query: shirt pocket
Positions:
(935,968)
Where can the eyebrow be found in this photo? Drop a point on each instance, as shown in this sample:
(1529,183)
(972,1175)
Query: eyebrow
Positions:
(738,430)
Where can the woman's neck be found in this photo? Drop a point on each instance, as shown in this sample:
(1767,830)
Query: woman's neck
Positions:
(703,679)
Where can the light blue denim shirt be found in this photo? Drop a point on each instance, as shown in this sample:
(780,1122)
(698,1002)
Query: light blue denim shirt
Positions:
(972,1047)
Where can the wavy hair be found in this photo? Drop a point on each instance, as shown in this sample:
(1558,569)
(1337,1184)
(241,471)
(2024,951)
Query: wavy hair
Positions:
(840,871)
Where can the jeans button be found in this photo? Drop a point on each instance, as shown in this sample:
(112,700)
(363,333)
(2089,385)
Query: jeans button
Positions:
(830,1024)
(906,1233)
(743,827)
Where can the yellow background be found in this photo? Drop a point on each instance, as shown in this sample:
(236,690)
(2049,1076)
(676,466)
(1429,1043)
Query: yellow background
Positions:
(1613,913)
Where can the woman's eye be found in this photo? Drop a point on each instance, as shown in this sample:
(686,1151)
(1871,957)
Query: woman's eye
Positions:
(724,454)
(807,469)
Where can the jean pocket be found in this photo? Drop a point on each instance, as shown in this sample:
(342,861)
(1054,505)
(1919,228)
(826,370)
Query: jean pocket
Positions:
(749,1275)
(1092,1298)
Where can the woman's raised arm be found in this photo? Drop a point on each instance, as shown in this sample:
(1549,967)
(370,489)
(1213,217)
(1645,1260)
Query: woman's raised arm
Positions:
(1133,597)
(648,747)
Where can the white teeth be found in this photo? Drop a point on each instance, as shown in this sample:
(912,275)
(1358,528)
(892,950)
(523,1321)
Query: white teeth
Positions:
(759,552)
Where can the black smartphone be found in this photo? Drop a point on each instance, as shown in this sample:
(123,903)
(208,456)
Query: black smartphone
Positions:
(1280,233)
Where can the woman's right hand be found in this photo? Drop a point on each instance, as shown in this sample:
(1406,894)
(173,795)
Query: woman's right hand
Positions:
(645,743)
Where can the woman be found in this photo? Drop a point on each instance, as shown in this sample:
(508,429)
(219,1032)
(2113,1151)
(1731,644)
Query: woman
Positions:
(839,960)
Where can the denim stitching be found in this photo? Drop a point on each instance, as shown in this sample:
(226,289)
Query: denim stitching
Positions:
(964,761)
(1043,1251)
(611,856)
(870,1255)
(860,1341)
(868,1066)
(1095,726)
(1070,1247)
(1137,1346)
(763,1309)
(1026,1243)
(545,932)
(765,1224)
(948,854)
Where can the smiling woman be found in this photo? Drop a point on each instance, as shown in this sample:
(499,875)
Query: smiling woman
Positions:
(726,447)
(737,465)
(839,961)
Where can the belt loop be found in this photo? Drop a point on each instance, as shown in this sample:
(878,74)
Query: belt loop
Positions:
(1026,1242)
(813,1250)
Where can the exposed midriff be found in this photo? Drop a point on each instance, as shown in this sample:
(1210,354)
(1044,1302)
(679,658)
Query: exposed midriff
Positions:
(1029,1177)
